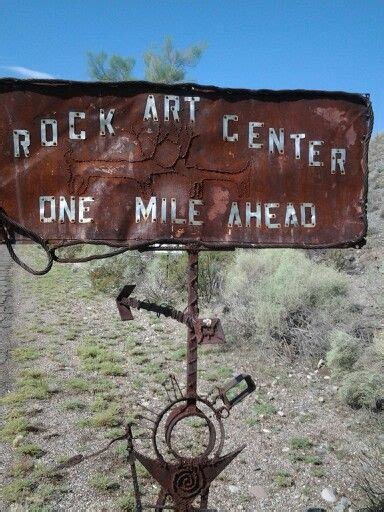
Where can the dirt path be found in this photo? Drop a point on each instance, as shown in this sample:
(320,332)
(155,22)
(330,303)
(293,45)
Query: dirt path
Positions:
(80,374)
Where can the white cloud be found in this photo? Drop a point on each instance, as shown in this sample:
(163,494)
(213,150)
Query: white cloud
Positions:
(27,72)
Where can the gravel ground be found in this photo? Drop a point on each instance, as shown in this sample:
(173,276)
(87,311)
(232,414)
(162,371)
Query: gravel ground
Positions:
(299,438)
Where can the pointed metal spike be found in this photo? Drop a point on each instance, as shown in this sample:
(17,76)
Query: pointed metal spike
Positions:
(124,309)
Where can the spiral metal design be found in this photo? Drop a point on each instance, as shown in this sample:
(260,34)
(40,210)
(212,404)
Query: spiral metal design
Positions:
(193,310)
(188,482)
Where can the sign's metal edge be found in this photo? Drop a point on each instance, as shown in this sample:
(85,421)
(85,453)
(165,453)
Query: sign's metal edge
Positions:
(365,166)
(11,84)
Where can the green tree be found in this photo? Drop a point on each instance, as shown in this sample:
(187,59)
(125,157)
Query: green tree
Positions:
(168,65)
(165,64)
(110,69)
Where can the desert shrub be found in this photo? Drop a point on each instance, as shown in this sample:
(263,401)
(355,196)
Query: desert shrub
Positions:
(362,377)
(165,278)
(111,274)
(212,268)
(344,352)
(160,277)
(362,388)
(369,476)
(373,355)
(271,297)
(376,157)
(376,184)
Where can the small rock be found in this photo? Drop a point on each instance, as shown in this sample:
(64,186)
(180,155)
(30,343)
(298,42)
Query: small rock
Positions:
(285,449)
(14,507)
(321,449)
(53,388)
(35,500)
(34,409)
(18,439)
(52,433)
(266,431)
(326,377)
(342,505)
(258,491)
(36,427)
(281,413)
(320,363)
(328,494)
(321,399)
(233,489)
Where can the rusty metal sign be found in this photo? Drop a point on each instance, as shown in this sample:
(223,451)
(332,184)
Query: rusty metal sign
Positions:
(135,164)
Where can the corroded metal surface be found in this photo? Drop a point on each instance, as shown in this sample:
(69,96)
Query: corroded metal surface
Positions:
(138,163)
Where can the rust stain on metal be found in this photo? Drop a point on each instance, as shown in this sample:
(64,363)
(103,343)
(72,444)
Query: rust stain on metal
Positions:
(224,167)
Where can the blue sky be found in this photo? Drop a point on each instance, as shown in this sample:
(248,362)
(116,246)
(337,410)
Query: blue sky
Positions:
(276,44)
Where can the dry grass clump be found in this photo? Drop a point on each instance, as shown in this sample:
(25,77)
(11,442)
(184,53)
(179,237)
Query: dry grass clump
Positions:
(361,369)
(344,352)
(276,297)
(369,475)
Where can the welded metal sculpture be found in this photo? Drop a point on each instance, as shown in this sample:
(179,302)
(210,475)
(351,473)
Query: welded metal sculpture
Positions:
(185,478)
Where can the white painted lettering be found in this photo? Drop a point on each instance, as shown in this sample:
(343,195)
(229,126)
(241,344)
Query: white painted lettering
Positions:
(47,202)
(24,143)
(174,108)
(252,214)
(150,109)
(338,157)
(276,141)
(269,217)
(290,216)
(84,209)
(252,135)
(52,123)
(72,134)
(141,210)
(174,218)
(312,219)
(193,212)
(234,216)
(226,136)
(312,153)
(297,137)
(106,121)
(192,109)
(65,210)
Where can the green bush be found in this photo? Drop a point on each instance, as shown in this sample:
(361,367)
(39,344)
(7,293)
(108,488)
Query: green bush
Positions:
(111,274)
(373,355)
(363,388)
(273,296)
(160,277)
(344,352)
(165,279)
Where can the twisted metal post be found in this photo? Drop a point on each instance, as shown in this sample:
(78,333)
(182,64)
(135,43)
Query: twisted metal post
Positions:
(193,311)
